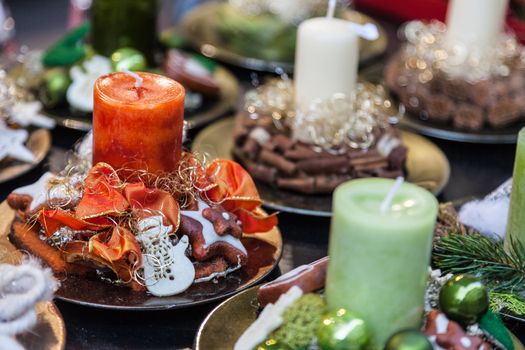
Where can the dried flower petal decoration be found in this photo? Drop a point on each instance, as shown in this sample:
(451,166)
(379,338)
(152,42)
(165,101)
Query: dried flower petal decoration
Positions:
(236,192)
(115,246)
(102,194)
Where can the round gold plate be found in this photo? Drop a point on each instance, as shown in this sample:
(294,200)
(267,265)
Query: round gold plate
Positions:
(226,323)
(39,143)
(264,252)
(198,27)
(212,108)
(50,331)
(427,166)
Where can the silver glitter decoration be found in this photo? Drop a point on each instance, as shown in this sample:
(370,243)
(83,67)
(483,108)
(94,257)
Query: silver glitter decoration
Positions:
(332,124)
(19,72)
(25,68)
(10,95)
(65,235)
(340,121)
(275,98)
(435,282)
(426,51)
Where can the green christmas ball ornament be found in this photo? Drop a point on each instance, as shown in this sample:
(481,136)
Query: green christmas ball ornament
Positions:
(128,58)
(464,299)
(271,344)
(54,86)
(343,330)
(408,340)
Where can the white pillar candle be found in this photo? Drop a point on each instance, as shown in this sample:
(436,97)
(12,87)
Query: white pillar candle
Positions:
(476,24)
(326,58)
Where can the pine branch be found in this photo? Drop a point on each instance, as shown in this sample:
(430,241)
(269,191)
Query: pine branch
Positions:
(483,257)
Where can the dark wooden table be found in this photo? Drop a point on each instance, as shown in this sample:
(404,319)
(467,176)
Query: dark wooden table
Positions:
(476,170)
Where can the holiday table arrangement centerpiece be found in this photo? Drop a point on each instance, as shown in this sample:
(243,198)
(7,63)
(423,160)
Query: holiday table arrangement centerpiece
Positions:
(376,289)
(132,209)
(467,73)
(324,128)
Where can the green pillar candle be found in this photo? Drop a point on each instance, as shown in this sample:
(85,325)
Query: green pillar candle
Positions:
(516,219)
(379,259)
(124,23)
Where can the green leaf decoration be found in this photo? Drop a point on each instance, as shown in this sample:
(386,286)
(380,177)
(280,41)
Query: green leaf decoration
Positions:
(69,49)
(173,39)
(493,325)
(206,62)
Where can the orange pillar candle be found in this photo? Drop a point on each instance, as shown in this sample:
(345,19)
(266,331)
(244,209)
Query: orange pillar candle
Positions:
(138,127)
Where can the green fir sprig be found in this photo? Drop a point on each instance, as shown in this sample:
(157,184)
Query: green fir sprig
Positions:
(502,270)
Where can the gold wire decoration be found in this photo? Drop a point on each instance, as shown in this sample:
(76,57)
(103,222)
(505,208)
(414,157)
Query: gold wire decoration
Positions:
(332,124)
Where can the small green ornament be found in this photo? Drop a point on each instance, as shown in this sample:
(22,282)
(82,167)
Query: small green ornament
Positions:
(172,39)
(271,344)
(408,340)
(464,299)
(53,90)
(128,58)
(343,330)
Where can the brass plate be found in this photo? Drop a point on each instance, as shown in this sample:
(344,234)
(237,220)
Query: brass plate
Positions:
(264,253)
(211,109)
(50,331)
(38,143)
(427,166)
(198,27)
(226,323)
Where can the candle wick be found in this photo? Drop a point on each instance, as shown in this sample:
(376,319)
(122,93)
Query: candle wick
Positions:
(390,196)
(138,79)
(331,9)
